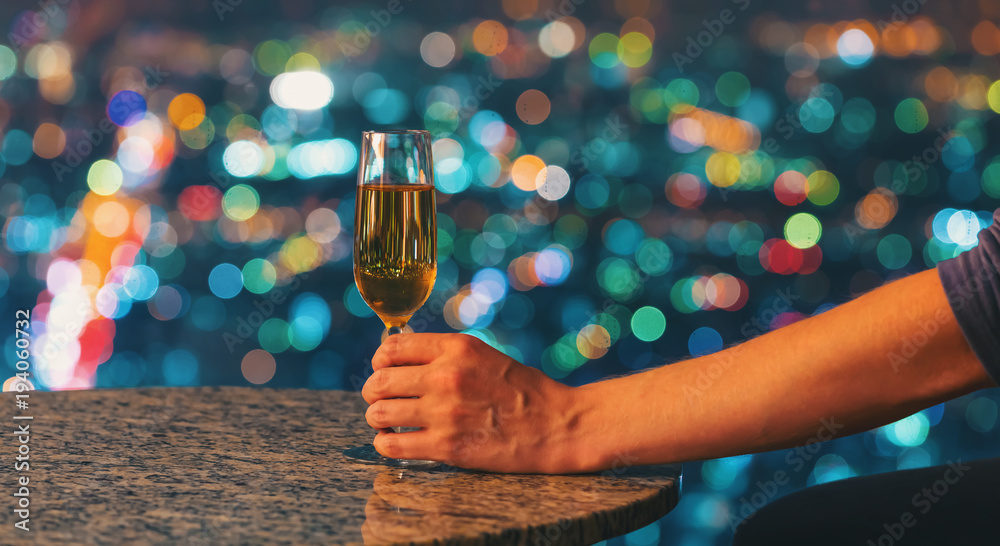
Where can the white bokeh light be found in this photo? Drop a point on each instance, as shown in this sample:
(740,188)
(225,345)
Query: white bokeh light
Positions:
(305,90)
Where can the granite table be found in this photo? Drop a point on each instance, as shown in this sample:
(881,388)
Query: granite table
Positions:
(233,465)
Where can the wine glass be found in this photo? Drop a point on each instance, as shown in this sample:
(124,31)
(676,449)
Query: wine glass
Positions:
(395,239)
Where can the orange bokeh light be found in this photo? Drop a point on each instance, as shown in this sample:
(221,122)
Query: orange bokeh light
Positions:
(490,38)
(876,209)
(49,140)
(941,84)
(899,40)
(722,132)
(186,111)
(525,171)
(533,107)
(520,10)
(986,38)
(640,25)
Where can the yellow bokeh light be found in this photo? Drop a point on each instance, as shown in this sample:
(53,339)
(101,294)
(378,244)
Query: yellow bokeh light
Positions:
(300,254)
(593,341)
(993,96)
(822,188)
(104,177)
(722,169)
(635,49)
(302,61)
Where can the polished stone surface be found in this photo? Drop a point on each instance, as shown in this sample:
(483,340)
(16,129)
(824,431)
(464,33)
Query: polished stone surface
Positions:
(261,466)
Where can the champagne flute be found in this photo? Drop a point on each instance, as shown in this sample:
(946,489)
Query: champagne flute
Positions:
(395,239)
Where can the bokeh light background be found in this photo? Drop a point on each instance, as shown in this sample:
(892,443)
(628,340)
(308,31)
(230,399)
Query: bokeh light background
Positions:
(622,183)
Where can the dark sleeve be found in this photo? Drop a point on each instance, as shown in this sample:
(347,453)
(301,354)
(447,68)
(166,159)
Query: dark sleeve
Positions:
(972,284)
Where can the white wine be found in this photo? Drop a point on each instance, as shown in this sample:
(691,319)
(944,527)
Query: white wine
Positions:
(395,248)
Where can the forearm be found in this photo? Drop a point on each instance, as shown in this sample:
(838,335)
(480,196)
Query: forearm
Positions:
(868,362)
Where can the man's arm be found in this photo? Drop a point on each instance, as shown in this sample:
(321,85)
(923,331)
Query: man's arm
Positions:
(848,366)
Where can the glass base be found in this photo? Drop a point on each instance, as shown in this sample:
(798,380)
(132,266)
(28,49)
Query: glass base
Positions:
(368,455)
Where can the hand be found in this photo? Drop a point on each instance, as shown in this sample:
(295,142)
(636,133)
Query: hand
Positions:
(476,407)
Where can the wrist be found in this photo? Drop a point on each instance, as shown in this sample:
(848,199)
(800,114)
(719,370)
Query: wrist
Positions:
(581,447)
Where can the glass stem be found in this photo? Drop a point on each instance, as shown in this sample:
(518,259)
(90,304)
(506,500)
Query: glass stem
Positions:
(393,330)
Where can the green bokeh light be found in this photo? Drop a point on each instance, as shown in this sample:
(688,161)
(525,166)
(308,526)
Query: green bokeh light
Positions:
(273,335)
(732,89)
(654,257)
(104,177)
(271,57)
(803,230)
(259,275)
(894,251)
(8,62)
(648,323)
(911,116)
(991,179)
(604,50)
(681,95)
(240,202)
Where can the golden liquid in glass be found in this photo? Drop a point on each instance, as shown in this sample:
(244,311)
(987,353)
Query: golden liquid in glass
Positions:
(395,249)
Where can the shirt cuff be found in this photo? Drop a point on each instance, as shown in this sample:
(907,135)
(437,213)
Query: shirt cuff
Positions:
(972,285)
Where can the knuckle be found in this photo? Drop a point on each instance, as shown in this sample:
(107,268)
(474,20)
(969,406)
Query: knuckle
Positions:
(468,344)
(378,382)
(451,378)
(375,415)
(391,343)
(453,414)
(389,446)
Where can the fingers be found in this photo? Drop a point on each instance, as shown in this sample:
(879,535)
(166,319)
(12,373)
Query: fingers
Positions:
(404,349)
(406,445)
(399,412)
(401,382)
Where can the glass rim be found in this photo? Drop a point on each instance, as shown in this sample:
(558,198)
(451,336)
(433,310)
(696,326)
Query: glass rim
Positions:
(398,132)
